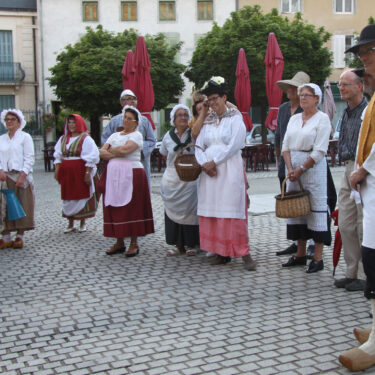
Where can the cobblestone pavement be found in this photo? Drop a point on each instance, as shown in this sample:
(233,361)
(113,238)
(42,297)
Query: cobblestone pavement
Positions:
(67,308)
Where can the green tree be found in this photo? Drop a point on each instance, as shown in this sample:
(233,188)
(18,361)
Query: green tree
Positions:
(301,45)
(87,75)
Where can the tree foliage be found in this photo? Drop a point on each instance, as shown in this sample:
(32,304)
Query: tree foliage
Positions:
(87,75)
(301,45)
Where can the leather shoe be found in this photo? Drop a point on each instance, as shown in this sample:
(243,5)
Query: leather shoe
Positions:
(362,335)
(220,260)
(295,261)
(356,286)
(18,243)
(342,283)
(249,263)
(115,249)
(356,359)
(315,266)
(4,245)
(289,250)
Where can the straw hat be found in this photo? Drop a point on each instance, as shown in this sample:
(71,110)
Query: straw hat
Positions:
(299,79)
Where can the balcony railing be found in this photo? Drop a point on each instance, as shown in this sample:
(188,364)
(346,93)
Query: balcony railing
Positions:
(11,72)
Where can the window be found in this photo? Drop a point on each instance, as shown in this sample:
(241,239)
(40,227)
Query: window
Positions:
(6,56)
(205,10)
(167,10)
(344,6)
(90,10)
(129,10)
(7,101)
(291,6)
(172,39)
(349,41)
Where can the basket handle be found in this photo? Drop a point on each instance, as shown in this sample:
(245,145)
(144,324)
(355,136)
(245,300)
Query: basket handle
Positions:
(283,186)
(186,147)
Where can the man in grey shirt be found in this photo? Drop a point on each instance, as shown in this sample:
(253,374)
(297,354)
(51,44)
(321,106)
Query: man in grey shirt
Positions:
(350,213)
(127,97)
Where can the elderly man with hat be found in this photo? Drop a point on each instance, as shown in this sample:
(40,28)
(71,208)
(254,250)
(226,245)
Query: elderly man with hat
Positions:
(127,97)
(286,110)
(362,180)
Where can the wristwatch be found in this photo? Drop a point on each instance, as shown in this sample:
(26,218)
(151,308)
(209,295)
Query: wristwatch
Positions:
(303,169)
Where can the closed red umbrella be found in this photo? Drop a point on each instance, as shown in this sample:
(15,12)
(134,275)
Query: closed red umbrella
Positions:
(338,242)
(143,83)
(274,63)
(128,72)
(242,92)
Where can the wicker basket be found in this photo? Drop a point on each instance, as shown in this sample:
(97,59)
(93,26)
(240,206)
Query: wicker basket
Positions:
(186,165)
(293,203)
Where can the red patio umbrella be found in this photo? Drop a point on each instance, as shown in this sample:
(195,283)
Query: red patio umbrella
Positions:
(128,72)
(338,242)
(274,63)
(242,92)
(143,83)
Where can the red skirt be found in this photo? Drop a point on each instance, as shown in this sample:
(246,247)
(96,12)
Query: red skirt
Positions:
(71,178)
(135,219)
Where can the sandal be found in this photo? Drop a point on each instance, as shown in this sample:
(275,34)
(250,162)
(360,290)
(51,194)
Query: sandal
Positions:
(175,251)
(115,249)
(133,250)
(191,252)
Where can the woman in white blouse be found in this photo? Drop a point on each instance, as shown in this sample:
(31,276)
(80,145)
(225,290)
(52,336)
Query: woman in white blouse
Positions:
(222,205)
(180,197)
(76,156)
(127,208)
(304,148)
(16,161)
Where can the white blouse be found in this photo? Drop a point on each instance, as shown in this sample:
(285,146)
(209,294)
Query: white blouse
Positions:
(118,139)
(89,153)
(17,153)
(312,137)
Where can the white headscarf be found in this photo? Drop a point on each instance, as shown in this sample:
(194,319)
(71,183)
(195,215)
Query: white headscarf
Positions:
(315,87)
(15,112)
(134,109)
(175,109)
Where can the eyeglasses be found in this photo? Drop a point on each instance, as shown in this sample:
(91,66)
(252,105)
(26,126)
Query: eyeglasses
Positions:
(306,95)
(365,52)
(131,99)
(339,85)
(182,115)
(213,99)
(13,119)
(129,119)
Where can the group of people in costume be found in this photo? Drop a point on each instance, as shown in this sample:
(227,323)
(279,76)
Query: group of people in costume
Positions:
(209,213)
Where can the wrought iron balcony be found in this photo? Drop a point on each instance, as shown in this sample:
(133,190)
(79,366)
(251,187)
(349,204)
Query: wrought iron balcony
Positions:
(11,72)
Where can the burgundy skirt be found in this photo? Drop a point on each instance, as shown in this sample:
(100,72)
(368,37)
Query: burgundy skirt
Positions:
(135,219)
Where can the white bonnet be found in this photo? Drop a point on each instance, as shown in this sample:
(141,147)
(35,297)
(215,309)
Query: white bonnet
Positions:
(315,87)
(175,109)
(134,109)
(17,113)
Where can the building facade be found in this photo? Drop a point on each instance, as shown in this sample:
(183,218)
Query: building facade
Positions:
(344,19)
(64,22)
(18,57)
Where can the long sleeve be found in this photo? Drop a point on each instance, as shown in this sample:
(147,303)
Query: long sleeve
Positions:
(237,141)
(200,154)
(322,138)
(369,163)
(28,154)
(57,154)
(149,140)
(90,152)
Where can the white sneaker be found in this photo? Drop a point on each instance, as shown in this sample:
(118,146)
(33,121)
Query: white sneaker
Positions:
(208,254)
(69,230)
(82,229)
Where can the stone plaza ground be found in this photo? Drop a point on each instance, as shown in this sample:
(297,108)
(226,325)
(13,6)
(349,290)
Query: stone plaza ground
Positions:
(67,308)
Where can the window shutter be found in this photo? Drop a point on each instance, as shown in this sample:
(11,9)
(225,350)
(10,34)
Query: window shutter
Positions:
(338,47)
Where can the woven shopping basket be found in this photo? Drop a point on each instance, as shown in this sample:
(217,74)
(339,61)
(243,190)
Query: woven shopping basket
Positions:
(186,165)
(293,203)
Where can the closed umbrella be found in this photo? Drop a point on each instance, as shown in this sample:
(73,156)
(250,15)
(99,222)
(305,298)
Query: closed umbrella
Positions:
(143,83)
(338,242)
(242,92)
(329,106)
(274,63)
(128,72)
